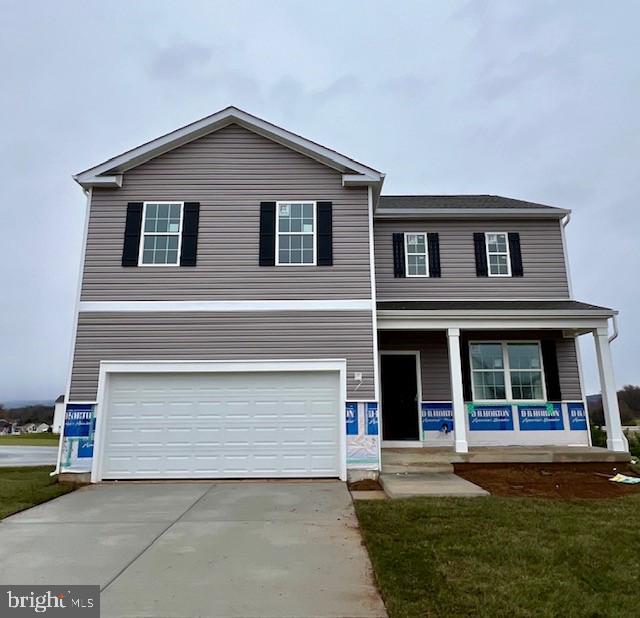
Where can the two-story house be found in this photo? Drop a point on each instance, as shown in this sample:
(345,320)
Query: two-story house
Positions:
(250,305)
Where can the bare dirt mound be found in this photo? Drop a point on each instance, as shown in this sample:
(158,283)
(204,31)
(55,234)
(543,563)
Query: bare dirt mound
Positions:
(556,480)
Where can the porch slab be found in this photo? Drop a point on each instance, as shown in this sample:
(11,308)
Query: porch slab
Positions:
(411,458)
(431,484)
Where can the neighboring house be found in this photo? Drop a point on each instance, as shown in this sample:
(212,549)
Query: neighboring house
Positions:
(5,427)
(58,415)
(252,306)
(42,428)
(28,428)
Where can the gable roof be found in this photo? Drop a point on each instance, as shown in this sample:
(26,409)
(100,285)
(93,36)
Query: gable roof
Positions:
(420,206)
(109,173)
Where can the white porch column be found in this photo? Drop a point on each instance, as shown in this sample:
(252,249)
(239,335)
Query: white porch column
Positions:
(616,440)
(457,394)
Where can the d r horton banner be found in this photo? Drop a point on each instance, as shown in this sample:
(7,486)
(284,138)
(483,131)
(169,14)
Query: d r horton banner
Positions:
(77,445)
(490,418)
(437,417)
(541,418)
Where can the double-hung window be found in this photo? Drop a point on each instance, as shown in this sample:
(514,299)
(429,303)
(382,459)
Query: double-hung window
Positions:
(507,371)
(296,233)
(498,259)
(161,234)
(416,254)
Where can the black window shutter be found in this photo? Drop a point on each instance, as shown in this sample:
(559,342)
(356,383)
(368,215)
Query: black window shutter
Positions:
(466,370)
(190,223)
(516,255)
(325,234)
(481,254)
(267,234)
(551,372)
(398,255)
(433,244)
(132,230)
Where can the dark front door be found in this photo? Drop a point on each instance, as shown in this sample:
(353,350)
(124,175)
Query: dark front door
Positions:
(399,397)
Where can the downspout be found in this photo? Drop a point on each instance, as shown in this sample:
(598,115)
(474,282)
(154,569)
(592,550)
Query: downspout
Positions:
(614,320)
(563,223)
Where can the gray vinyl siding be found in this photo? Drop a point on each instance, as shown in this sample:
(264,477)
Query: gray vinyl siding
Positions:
(120,336)
(434,357)
(568,369)
(229,172)
(542,258)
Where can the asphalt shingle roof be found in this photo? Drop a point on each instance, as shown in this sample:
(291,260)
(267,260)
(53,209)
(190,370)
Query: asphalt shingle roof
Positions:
(454,202)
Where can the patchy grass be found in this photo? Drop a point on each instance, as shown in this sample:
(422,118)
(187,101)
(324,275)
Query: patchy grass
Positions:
(22,488)
(504,556)
(30,439)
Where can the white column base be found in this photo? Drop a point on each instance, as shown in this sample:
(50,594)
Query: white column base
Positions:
(618,445)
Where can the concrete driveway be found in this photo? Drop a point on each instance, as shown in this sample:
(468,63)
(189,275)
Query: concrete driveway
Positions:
(28,455)
(250,549)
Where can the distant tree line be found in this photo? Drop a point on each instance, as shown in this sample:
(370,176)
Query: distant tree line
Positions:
(27,414)
(628,402)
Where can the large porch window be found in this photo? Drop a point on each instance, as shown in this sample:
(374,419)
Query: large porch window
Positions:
(507,371)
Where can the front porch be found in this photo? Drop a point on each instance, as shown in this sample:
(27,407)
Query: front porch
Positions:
(416,460)
(482,382)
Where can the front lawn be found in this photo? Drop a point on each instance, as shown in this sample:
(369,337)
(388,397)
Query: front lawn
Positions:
(30,439)
(505,556)
(22,488)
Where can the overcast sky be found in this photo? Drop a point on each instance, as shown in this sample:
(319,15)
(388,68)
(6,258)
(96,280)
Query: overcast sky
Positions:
(535,100)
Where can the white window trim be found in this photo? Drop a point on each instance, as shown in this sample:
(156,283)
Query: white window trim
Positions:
(506,368)
(508,254)
(314,233)
(143,233)
(406,253)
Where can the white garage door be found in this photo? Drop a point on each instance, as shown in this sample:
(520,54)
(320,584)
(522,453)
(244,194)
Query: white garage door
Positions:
(217,425)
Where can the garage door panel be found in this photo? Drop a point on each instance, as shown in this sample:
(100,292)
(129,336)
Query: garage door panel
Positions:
(222,425)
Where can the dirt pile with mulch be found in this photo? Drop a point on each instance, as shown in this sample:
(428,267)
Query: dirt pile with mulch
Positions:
(556,480)
(365,485)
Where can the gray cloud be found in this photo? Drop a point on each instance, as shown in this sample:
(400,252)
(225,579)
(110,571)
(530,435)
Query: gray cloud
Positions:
(179,60)
(530,99)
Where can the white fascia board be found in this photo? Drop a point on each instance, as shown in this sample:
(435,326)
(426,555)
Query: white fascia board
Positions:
(241,306)
(114,182)
(465,213)
(358,180)
(223,118)
(532,322)
(499,314)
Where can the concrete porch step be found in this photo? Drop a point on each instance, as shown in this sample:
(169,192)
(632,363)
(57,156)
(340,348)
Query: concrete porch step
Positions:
(416,467)
(431,484)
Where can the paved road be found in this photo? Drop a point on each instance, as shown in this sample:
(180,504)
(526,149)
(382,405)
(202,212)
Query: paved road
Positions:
(28,455)
(250,549)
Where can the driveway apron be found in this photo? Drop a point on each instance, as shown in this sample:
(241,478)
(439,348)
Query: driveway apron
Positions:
(178,550)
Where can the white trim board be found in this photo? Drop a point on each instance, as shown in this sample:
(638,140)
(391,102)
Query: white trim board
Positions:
(74,326)
(107,368)
(364,304)
(110,172)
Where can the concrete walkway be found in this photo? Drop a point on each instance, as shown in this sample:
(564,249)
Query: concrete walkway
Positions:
(181,550)
(11,456)
(429,484)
